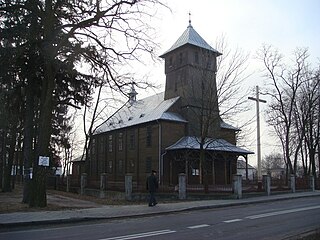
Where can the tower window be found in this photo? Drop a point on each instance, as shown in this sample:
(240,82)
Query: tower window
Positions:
(196,57)
(170,62)
(180,57)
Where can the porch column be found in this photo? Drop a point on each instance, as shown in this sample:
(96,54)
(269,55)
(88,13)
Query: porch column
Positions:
(225,171)
(247,174)
(213,173)
(170,171)
(186,171)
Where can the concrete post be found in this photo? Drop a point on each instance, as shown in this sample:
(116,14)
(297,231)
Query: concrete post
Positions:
(182,186)
(83,183)
(68,183)
(293,183)
(237,186)
(311,183)
(103,185)
(128,187)
(266,184)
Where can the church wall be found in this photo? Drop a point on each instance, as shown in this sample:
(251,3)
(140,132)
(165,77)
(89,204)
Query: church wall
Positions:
(229,135)
(133,150)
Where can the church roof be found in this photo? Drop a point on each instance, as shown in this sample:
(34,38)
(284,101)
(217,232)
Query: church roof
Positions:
(141,111)
(190,36)
(242,165)
(219,145)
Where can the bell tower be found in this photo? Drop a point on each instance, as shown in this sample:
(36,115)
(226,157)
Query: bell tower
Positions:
(190,68)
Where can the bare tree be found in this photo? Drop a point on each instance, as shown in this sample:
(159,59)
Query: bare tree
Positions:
(272,161)
(99,35)
(285,83)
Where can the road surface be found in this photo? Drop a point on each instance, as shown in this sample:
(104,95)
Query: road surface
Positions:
(273,220)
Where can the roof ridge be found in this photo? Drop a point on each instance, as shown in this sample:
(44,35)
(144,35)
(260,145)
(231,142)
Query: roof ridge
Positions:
(191,36)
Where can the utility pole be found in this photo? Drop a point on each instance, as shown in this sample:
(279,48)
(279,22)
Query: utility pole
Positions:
(258,100)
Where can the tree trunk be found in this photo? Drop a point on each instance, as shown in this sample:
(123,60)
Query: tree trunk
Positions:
(28,140)
(38,193)
(8,165)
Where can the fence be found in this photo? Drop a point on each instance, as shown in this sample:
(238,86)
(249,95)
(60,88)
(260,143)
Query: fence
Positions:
(93,185)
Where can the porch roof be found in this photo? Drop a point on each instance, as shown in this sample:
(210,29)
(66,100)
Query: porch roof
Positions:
(211,144)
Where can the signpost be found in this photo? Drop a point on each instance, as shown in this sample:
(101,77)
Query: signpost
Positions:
(43,161)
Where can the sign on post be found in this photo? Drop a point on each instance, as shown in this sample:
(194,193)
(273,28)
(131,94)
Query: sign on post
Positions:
(44,161)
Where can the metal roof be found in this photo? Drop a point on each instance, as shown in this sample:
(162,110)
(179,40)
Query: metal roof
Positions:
(190,36)
(242,165)
(228,126)
(219,145)
(141,111)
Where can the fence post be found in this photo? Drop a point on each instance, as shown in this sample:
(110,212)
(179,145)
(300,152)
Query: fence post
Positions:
(266,184)
(128,187)
(182,186)
(83,183)
(68,182)
(311,183)
(293,183)
(103,185)
(237,186)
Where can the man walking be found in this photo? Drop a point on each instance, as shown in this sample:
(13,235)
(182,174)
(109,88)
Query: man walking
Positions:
(152,186)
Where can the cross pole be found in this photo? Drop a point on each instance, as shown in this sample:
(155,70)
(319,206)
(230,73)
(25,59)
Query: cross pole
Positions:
(258,100)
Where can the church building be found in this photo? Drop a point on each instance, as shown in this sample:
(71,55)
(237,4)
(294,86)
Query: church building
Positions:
(176,131)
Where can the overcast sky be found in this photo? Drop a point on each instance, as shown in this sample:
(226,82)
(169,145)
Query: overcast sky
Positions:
(247,24)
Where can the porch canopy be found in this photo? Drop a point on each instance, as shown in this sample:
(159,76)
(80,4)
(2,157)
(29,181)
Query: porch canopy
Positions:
(217,145)
(223,155)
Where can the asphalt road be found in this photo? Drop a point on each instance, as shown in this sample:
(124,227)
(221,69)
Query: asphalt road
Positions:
(275,220)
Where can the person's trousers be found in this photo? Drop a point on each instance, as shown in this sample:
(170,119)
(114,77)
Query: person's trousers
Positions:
(152,199)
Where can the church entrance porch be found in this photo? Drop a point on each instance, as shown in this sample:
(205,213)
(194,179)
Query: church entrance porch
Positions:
(213,164)
(215,169)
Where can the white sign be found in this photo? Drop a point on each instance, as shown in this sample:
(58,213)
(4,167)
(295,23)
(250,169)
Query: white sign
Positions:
(44,161)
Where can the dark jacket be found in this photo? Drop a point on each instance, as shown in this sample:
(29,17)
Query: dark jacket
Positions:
(152,183)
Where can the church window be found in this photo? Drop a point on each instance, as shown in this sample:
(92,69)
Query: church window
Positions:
(101,150)
(110,143)
(148,164)
(195,172)
(93,146)
(170,62)
(120,166)
(120,141)
(110,167)
(180,57)
(149,136)
(131,140)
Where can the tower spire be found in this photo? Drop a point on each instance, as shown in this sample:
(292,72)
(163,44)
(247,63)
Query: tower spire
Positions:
(132,94)
(189,19)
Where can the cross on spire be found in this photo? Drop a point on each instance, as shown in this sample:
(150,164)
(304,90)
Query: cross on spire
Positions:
(189,18)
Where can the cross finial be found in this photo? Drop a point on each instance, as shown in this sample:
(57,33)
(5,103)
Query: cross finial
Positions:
(189,18)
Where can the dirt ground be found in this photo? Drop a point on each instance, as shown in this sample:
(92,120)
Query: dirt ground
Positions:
(57,200)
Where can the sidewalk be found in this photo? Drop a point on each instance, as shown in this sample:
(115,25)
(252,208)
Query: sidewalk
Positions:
(125,211)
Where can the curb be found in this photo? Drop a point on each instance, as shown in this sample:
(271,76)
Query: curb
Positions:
(146,214)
